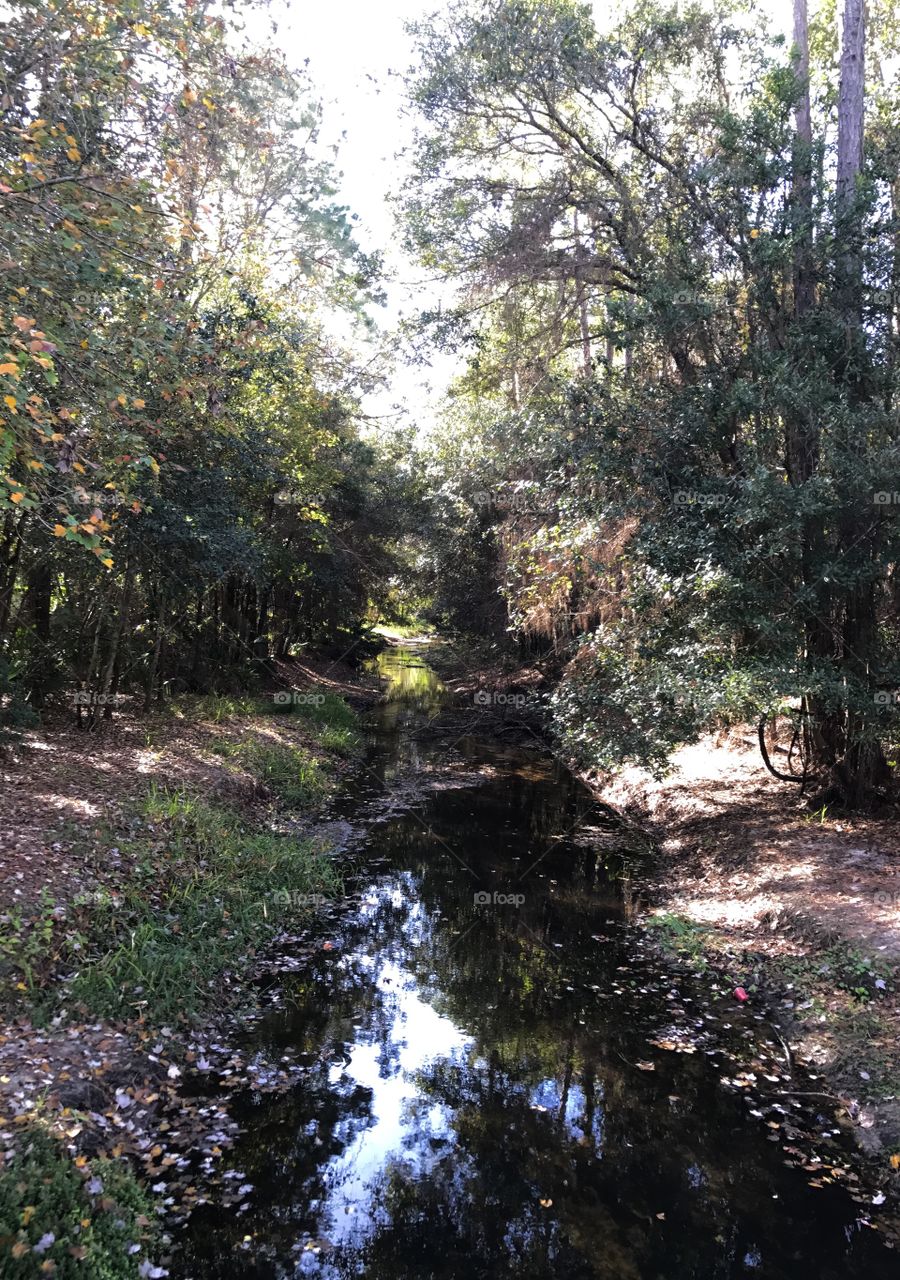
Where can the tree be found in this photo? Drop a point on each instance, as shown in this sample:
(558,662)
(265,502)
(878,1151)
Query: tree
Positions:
(707,534)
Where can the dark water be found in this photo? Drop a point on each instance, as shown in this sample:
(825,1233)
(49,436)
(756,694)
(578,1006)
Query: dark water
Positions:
(473,1103)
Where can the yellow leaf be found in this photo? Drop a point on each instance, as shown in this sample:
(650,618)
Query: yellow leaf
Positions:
(754,233)
(138,404)
(107,561)
(84,344)
(74,154)
(10,368)
(27,1214)
(16,497)
(24,322)
(10,402)
(59,530)
(895,1161)
(76,466)
(34,465)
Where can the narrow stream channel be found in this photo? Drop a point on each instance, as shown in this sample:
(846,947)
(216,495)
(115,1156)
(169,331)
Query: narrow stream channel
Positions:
(482,1094)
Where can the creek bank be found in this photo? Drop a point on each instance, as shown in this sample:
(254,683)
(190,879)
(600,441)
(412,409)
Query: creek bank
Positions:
(150,871)
(801,909)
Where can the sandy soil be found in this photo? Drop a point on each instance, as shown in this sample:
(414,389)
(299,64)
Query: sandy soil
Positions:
(741,850)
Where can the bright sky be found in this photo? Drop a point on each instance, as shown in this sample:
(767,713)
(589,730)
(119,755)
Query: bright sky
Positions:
(356,50)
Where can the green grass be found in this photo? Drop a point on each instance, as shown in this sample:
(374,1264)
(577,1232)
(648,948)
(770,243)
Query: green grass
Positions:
(330,721)
(680,937)
(61,1220)
(220,707)
(205,894)
(404,630)
(291,773)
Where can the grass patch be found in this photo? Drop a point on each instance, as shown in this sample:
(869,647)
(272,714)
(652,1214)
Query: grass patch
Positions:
(61,1220)
(682,938)
(204,895)
(331,722)
(840,966)
(218,708)
(291,773)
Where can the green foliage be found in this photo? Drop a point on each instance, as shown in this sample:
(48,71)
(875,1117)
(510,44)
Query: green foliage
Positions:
(681,938)
(184,490)
(62,1220)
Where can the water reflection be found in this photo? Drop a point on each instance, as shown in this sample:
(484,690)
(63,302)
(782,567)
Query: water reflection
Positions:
(474,1102)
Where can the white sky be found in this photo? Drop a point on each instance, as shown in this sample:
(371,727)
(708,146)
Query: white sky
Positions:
(356,51)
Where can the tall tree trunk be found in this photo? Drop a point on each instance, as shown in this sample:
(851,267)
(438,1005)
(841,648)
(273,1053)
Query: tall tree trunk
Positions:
(150,683)
(851,122)
(801,185)
(802,432)
(581,294)
(124,610)
(12,551)
(39,591)
(863,766)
